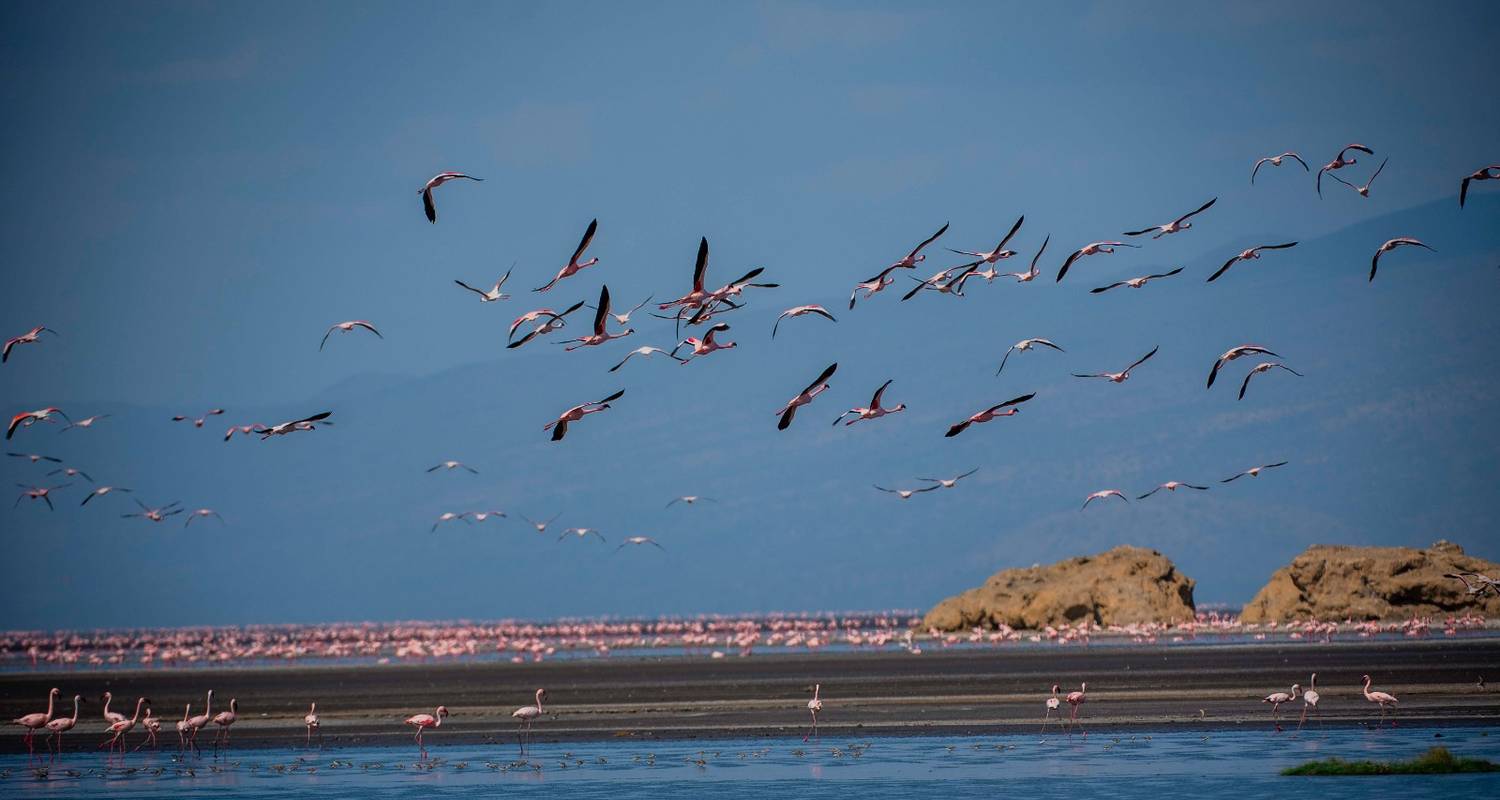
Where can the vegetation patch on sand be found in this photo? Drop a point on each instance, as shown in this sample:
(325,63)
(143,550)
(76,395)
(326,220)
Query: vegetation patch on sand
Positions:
(1437,761)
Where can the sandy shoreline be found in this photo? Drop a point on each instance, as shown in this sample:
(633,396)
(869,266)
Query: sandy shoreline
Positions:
(967,692)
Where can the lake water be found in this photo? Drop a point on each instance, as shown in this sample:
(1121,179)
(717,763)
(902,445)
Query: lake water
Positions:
(1240,764)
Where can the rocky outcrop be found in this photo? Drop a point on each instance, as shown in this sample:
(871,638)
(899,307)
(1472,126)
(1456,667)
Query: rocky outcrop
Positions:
(1336,582)
(1118,587)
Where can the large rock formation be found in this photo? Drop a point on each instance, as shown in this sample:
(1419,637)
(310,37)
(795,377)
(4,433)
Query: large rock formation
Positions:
(1118,587)
(1335,582)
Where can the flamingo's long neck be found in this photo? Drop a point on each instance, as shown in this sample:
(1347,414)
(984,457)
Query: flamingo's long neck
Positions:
(138,703)
(107,697)
(817,687)
(437,719)
(538,702)
(50,699)
(75,709)
(1367,687)
(187,712)
(208,706)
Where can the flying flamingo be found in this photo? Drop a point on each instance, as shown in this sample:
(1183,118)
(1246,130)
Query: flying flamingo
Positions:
(452,465)
(71,472)
(874,410)
(906,494)
(284,428)
(1383,698)
(1121,377)
(198,422)
(31,336)
(532,316)
(346,327)
(688,499)
(647,350)
(1094,248)
(449,516)
(1264,366)
(640,540)
(1030,274)
(100,492)
(242,429)
(573,266)
(582,533)
(1024,345)
(1253,472)
(1339,162)
(124,726)
(949,483)
(881,280)
(203,512)
(601,321)
(1392,245)
(34,722)
(797,311)
(192,725)
(1054,704)
(1248,255)
(224,719)
(86,422)
(1276,699)
(1479,585)
(954,284)
(26,419)
(1135,283)
(481,516)
(1492,172)
(1011,408)
(992,256)
(1275,161)
(493,293)
(704,346)
(434,182)
(817,387)
(624,319)
(1234,353)
(35,457)
(541,527)
(1102,495)
(424,721)
(915,257)
(1076,699)
(155,514)
(60,725)
(1364,191)
(1172,486)
(1176,225)
(525,715)
(559,426)
(1310,701)
(553,322)
(313,723)
(696,297)
(39,493)
(813,707)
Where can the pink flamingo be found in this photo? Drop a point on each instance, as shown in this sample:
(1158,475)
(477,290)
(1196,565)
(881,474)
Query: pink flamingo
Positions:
(1383,698)
(1091,249)
(949,483)
(346,327)
(494,293)
(949,281)
(813,707)
(1339,162)
(1121,377)
(57,727)
(304,424)
(1310,701)
(817,387)
(601,321)
(34,722)
(434,182)
(704,346)
(1024,345)
(526,714)
(1490,173)
(907,494)
(1276,699)
(1254,472)
(86,422)
(559,426)
(1030,274)
(873,285)
(424,721)
(1011,408)
(1137,282)
(119,729)
(1364,191)
(914,258)
(1264,366)
(182,728)
(698,295)
(39,493)
(797,311)
(313,723)
(1176,225)
(1399,241)
(1172,486)
(574,266)
(1234,353)
(31,336)
(992,256)
(1076,699)
(1275,161)
(111,717)
(155,514)
(553,322)
(224,719)
(194,724)
(1054,704)
(1103,494)
(203,512)
(100,492)
(874,410)
(26,419)
(648,350)
(152,726)
(213,412)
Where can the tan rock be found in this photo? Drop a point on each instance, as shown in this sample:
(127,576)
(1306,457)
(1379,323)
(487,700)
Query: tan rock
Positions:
(1336,582)
(1118,587)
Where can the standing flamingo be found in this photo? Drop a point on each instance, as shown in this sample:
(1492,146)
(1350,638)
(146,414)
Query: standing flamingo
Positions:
(34,722)
(313,723)
(182,728)
(1076,699)
(57,727)
(1054,704)
(813,707)
(1310,701)
(526,714)
(151,725)
(1383,698)
(424,721)
(198,723)
(1276,699)
(119,729)
(224,719)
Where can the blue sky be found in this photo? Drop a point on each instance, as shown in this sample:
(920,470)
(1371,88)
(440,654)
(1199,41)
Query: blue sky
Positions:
(199,190)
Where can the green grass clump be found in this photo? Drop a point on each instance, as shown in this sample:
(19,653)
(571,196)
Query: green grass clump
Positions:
(1437,761)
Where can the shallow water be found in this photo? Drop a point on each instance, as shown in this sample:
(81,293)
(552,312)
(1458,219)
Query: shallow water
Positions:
(1242,764)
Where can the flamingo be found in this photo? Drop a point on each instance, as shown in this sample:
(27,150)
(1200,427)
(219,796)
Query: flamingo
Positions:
(906,494)
(347,327)
(39,493)
(1102,495)
(212,412)
(1264,366)
(71,472)
(1310,701)
(1172,486)
(493,293)
(224,719)
(954,284)
(574,266)
(1076,699)
(284,428)
(873,285)
(1054,704)
(1383,698)
(601,320)
(553,322)
(559,426)
(124,726)
(1234,353)
(452,465)
(992,256)
(1254,472)
(582,533)
(203,512)
(242,429)
(541,527)
(1176,225)
(313,723)
(1339,162)
(1275,161)
(1364,191)
(481,516)
(797,311)
(111,717)
(1093,248)
(1248,255)
(817,387)
(35,722)
(1492,172)
(26,419)
(1276,699)
(1121,377)
(434,182)
(1030,274)
(1135,283)
(29,337)
(624,319)
(640,540)
(689,499)
(813,707)
(35,457)
(449,516)
(949,483)
(155,514)
(424,721)
(182,727)
(1479,585)
(525,715)
(874,410)
(694,298)
(192,725)
(1011,408)
(1392,245)
(704,346)
(915,257)
(152,726)
(648,350)
(86,422)
(1024,345)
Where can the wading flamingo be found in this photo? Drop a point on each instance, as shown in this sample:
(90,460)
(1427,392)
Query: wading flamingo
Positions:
(1310,701)
(1054,705)
(1383,698)
(224,719)
(182,728)
(151,725)
(813,707)
(34,722)
(424,721)
(313,723)
(525,715)
(57,727)
(1276,699)
(197,723)
(124,726)
(1076,699)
